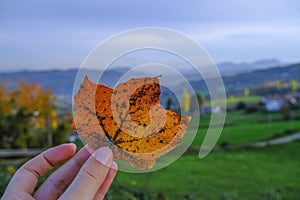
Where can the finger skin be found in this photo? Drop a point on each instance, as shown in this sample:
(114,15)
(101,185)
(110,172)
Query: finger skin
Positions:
(59,180)
(91,176)
(26,177)
(107,182)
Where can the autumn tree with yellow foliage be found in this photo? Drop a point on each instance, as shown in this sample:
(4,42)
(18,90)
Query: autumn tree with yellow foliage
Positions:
(185,103)
(27,116)
(294,85)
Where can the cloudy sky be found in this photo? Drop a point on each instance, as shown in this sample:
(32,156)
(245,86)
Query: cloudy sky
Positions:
(60,34)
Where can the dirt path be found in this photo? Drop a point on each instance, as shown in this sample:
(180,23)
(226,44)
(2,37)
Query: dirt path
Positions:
(283,140)
(19,153)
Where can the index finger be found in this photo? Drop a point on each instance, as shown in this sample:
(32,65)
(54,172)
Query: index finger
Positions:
(59,180)
(27,176)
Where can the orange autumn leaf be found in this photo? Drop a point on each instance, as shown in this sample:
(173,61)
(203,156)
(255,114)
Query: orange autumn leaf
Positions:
(129,120)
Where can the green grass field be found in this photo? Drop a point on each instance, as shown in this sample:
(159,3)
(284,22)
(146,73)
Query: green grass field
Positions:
(245,99)
(269,173)
(242,129)
(237,172)
(235,100)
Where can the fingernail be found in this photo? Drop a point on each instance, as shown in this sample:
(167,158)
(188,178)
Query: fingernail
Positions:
(104,155)
(91,150)
(114,165)
(74,145)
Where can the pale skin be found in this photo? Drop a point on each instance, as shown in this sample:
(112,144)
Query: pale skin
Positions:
(82,176)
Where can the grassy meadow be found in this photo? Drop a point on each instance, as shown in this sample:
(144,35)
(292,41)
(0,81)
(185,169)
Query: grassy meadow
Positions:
(238,171)
(232,171)
(269,173)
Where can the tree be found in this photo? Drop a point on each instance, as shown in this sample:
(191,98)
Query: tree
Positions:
(294,85)
(286,112)
(15,129)
(196,102)
(185,103)
(169,103)
(246,92)
(23,115)
(278,84)
(63,129)
(241,106)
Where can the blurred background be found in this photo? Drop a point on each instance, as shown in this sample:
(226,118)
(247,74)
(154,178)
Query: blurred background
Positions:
(255,46)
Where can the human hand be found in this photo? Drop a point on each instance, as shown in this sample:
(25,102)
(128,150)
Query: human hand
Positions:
(83,176)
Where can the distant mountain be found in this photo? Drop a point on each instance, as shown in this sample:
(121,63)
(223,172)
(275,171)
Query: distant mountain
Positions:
(59,81)
(232,68)
(62,81)
(236,84)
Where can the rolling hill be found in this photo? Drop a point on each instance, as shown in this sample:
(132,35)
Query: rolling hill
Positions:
(61,81)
